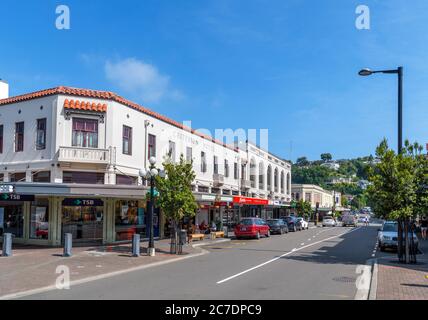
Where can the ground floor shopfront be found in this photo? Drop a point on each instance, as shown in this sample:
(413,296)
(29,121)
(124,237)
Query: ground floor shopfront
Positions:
(228,211)
(42,214)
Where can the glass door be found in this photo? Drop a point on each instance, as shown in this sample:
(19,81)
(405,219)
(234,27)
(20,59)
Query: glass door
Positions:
(84,223)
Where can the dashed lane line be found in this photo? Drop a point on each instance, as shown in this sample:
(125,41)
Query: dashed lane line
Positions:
(282,256)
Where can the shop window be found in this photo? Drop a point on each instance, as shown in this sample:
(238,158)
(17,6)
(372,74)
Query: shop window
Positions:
(39,222)
(85,133)
(131,218)
(1,138)
(127,140)
(215,190)
(42,176)
(41,134)
(1,177)
(17,177)
(83,218)
(152,146)
(203,189)
(19,136)
(83,177)
(126,180)
(235,171)
(12,218)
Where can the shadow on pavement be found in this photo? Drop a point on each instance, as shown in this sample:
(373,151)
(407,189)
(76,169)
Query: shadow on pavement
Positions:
(353,248)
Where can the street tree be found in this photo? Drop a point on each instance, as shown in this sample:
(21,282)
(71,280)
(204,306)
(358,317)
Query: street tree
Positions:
(398,191)
(303,209)
(175,194)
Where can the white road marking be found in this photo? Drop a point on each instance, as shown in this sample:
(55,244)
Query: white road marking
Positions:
(282,256)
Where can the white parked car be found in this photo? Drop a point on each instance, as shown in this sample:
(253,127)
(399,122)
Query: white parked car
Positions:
(329,222)
(304,223)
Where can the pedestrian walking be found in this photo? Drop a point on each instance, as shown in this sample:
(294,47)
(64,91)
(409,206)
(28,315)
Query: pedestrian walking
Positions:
(424,227)
(367,221)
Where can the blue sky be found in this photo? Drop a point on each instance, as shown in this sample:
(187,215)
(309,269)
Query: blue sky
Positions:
(287,66)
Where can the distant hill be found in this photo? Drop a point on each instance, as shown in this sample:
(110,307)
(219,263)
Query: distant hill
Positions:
(342,175)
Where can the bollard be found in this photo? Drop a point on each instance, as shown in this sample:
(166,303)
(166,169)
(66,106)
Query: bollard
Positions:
(68,244)
(7,245)
(136,245)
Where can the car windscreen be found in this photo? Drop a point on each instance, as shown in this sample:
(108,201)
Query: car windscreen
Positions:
(390,227)
(273,222)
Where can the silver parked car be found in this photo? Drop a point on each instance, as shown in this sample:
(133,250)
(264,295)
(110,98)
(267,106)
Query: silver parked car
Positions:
(329,222)
(388,236)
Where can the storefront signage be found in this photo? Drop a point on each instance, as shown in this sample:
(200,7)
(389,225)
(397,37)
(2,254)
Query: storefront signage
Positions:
(6,188)
(82,202)
(16,197)
(250,201)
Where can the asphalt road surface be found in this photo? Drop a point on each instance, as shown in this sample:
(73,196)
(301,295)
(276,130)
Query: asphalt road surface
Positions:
(319,263)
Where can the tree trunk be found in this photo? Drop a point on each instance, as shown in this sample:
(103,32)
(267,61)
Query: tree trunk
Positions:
(407,243)
(400,241)
(173,246)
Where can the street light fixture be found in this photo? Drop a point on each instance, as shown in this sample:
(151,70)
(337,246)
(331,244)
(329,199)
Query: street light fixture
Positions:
(399,71)
(151,175)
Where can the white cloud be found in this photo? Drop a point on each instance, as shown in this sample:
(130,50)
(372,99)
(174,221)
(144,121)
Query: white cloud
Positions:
(142,80)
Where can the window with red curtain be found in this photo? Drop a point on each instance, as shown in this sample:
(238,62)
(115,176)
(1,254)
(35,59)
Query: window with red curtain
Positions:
(127,140)
(85,133)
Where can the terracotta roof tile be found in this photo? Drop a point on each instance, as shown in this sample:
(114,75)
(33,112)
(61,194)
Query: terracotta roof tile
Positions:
(107,95)
(85,105)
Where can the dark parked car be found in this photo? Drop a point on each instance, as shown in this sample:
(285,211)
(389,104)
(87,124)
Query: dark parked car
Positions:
(293,223)
(277,226)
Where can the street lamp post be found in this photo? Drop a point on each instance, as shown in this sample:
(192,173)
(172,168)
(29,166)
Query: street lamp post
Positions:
(399,72)
(151,175)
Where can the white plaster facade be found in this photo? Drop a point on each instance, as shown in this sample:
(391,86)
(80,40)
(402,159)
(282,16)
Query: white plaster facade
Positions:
(59,155)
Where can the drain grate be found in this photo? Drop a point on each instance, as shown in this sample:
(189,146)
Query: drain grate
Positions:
(345,279)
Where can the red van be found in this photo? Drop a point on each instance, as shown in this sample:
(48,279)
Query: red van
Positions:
(252,228)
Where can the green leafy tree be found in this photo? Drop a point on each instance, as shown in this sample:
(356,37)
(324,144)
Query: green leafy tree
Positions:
(344,201)
(399,190)
(326,157)
(303,209)
(302,161)
(175,194)
(312,175)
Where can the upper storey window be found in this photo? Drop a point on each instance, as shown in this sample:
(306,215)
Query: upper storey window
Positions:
(85,133)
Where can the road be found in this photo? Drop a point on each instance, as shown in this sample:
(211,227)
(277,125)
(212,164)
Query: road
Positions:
(314,264)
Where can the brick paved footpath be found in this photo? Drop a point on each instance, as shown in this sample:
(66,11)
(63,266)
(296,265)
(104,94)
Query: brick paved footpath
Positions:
(403,282)
(34,267)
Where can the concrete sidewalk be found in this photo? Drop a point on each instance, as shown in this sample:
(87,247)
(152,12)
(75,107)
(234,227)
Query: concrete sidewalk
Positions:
(34,269)
(396,281)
